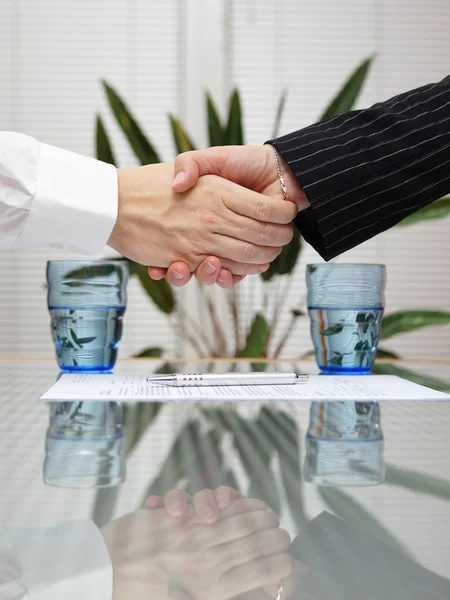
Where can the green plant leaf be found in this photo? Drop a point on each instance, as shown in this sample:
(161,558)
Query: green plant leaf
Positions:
(410,320)
(255,452)
(279,114)
(422,483)
(439,209)
(179,463)
(333,330)
(104,505)
(137,419)
(348,94)
(432,382)
(234,134)
(181,139)
(141,146)
(382,353)
(256,340)
(166,369)
(103,145)
(92,271)
(159,291)
(336,360)
(286,261)
(86,340)
(216,132)
(152,352)
(284,436)
(351,511)
(207,472)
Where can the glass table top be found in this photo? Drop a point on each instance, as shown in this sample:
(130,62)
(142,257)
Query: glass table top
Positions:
(382,470)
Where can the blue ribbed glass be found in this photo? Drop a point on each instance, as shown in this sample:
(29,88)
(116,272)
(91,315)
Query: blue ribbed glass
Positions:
(344,444)
(85,445)
(345,305)
(87,301)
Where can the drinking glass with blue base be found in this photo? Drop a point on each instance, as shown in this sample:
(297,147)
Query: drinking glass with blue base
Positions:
(85,446)
(87,301)
(345,305)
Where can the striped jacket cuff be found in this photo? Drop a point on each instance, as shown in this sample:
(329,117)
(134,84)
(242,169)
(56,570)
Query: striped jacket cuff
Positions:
(364,171)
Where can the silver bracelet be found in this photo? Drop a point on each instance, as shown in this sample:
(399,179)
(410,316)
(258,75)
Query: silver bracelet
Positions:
(280,174)
(280,591)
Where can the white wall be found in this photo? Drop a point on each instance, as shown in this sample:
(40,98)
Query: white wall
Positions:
(162,54)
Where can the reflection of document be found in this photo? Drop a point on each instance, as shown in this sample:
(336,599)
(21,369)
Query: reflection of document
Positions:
(134,388)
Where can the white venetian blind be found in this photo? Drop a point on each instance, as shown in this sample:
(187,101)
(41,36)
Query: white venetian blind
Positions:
(309,47)
(52,57)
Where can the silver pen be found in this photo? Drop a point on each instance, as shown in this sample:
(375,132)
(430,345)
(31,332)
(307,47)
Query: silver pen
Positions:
(200,379)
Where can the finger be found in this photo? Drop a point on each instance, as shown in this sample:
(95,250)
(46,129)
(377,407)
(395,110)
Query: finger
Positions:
(225,494)
(256,232)
(226,280)
(243,252)
(187,172)
(267,209)
(189,166)
(254,546)
(242,506)
(176,502)
(208,271)
(205,506)
(240,525)
(154,502)
(178,274)
(157,273)
(264,571)
(240,269)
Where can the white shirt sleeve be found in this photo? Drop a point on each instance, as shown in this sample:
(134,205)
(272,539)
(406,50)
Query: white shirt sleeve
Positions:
(69,561)
(52,197)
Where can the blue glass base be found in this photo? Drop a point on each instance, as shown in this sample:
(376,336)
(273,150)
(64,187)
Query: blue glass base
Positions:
(91,370)
(344,370)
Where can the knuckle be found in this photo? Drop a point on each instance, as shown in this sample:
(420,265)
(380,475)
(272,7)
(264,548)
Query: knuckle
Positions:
(248,252)
(245,524)
(207,216)
(266,235)
(283,539)
(263,209)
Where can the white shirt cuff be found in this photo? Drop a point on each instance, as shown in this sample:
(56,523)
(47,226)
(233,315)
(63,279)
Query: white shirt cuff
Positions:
(68,561)
(75,205)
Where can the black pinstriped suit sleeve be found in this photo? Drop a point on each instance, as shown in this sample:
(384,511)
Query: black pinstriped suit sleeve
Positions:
(364,171)
(348,563)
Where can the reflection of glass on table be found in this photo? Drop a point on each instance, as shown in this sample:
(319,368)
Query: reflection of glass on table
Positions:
(84,445)
(344,444)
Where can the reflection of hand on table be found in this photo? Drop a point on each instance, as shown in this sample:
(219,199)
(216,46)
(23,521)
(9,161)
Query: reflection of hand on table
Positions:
(274,563)
(241,551)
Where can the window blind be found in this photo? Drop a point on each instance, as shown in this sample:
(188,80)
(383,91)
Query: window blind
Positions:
(52,58)
(309,48)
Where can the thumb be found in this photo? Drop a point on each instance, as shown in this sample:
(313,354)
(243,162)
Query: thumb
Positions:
(176,594)
(189,166)
(187,171)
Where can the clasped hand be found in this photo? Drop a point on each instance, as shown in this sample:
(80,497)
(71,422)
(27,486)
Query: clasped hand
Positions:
(157,556)
(224,215)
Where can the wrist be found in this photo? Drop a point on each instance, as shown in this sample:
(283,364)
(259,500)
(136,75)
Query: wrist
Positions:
(114,237)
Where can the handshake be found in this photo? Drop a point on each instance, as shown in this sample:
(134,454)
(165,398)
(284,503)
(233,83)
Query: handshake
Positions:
(217,545)
(220,213)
